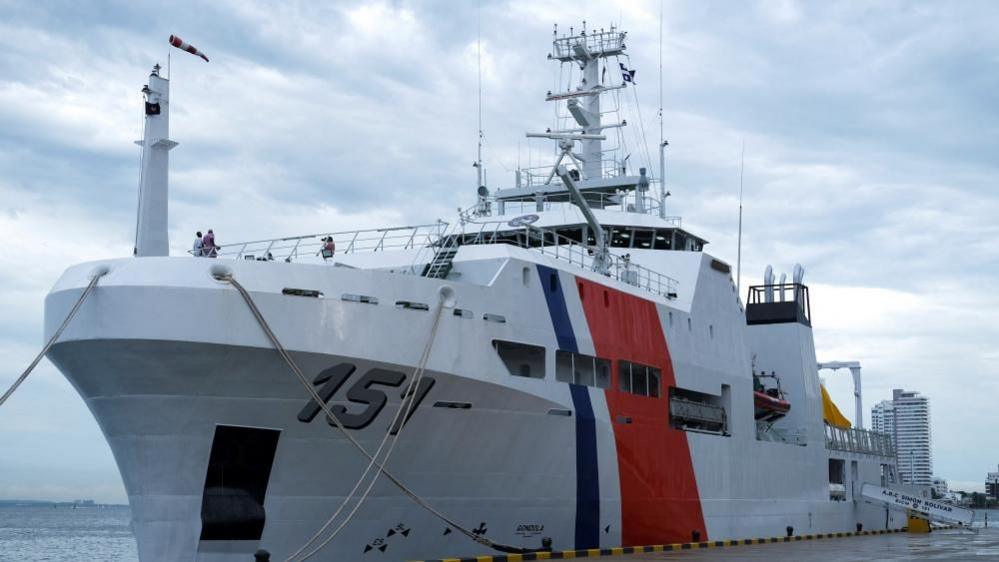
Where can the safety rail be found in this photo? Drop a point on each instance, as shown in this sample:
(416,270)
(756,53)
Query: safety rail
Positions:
(347,242)
(432,237)
(856,440)
(624,203)
(595,42)
(540,176)
(563,248)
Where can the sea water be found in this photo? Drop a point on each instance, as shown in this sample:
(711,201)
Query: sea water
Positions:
(64,533)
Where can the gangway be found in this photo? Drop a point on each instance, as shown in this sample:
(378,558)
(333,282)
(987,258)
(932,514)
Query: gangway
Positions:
(930,509)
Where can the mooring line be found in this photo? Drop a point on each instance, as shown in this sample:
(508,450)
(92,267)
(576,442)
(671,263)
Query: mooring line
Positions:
(329,413)
(407,405)
(76,307)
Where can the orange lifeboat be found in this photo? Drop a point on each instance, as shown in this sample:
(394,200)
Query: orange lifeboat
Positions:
(769,406)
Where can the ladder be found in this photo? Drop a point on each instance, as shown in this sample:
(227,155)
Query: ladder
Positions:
(440,266)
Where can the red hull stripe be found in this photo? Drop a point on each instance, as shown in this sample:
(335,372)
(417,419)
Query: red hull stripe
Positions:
(659,498)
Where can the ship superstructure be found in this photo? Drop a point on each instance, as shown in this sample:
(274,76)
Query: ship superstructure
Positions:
(563,366)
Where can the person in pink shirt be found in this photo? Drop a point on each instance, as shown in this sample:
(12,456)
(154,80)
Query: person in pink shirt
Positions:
(329,247)
(208,247)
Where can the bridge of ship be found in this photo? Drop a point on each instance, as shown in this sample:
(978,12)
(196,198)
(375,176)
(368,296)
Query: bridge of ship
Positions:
(427,240)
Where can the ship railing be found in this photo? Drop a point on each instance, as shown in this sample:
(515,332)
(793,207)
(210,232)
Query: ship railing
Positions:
(563,248)
(310,246)
(539,176)
(855,440)
(624,203)
(596,42)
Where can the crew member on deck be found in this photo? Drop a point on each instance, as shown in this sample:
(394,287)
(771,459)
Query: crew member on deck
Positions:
(328,248)
(199,245)
(208,247)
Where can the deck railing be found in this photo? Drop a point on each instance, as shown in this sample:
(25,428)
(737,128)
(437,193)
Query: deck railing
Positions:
(624,203)
(309,246)
(855,440)
(596,42)
(560,247)
(429,237)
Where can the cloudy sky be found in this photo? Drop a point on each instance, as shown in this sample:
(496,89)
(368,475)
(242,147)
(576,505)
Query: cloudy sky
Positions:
(871,134)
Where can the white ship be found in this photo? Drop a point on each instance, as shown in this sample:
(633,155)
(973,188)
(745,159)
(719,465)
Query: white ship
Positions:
(561,367)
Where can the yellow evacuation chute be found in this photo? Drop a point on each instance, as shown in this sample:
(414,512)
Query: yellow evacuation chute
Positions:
(831,413)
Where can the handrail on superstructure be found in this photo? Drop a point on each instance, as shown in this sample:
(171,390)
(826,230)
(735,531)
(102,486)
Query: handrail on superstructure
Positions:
(431,236)
(855,440)
(607,202)
(558,246)
(347,242)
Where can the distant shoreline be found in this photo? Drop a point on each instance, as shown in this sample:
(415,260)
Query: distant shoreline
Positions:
(48,503)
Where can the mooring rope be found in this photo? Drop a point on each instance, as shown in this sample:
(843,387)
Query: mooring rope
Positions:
(329,413)
(407,406)
(55,336)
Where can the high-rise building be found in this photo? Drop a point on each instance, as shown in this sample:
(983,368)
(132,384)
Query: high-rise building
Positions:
(883,419)
(906,418)
(912,437)
(992,486)
(940,487)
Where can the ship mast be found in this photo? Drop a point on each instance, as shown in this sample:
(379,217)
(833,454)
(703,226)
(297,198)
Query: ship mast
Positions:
(151,237)
(598,67)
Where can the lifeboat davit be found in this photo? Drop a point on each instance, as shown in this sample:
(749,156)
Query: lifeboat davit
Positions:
(768,407)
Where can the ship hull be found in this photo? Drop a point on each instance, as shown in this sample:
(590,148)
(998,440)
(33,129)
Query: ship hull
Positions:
(168,368)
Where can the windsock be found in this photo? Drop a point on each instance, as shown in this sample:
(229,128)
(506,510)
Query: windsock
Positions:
(180,44)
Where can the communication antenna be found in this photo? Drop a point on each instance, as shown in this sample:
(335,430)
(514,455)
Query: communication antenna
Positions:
(478,56)
(662,140)
(738,259)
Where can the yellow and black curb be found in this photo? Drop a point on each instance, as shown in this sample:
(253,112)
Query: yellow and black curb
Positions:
(617,551)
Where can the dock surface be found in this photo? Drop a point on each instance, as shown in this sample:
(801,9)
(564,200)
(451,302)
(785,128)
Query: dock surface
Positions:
(938,545)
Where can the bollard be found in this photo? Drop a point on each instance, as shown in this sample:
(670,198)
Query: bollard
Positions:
(261,556)
(860,527)
(790,531)
(695,536)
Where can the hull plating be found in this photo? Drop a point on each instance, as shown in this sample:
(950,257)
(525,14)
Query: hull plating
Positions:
(528,458)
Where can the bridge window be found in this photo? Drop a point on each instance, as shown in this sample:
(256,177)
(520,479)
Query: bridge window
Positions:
(521,359)
(577,368)
(663,240)
(621,237)
(643,239)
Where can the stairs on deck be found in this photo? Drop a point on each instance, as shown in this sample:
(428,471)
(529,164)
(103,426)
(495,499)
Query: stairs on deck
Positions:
(443,261)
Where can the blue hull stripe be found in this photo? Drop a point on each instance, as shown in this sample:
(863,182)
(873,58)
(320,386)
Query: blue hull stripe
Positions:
(587,475)
(557,308)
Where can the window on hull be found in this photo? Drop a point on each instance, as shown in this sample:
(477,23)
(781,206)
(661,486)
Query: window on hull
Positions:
(521,359)
(576,368)
(638,379)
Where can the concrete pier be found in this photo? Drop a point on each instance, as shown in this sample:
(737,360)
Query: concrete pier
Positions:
(938,545)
